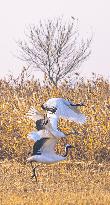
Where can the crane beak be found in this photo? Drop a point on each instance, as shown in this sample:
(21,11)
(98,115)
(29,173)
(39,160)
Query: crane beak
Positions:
(78,104)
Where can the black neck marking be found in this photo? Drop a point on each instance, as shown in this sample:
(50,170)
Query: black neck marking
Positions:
(66,153)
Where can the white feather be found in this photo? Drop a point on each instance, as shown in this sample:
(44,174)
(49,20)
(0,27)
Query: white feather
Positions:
(66,110)
(52,125)
(34,114)
(34,135)
(37,135)
(53,128)
(48,154)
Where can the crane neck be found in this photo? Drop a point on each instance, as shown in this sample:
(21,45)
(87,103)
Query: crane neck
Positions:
(66,151)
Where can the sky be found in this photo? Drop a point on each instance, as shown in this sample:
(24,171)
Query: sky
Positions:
(93,17)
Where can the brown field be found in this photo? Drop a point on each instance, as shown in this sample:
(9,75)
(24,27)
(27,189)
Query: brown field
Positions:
(67,183)
(84,178)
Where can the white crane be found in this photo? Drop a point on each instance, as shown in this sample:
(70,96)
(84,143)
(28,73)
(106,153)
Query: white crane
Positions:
(44,151)
(45,139)
(60,107)
(44,123)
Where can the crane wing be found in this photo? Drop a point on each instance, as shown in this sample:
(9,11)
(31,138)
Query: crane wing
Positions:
(37,135)
(44,146)
(34,114)
(65,109)
(49,146)
(38,145)
(70,111)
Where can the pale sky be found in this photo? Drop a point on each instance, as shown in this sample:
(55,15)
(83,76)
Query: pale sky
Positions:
(93,15)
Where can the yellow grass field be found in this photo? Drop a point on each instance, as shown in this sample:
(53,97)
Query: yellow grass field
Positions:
(67,183)
(84,178)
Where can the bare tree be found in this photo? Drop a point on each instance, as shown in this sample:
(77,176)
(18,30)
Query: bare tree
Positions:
(54,48)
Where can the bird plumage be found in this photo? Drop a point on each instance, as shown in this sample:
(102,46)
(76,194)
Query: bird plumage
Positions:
(37,146)
(65,109)
(47,135)
(44,147)
(34,114)
(43,122)
(44,151)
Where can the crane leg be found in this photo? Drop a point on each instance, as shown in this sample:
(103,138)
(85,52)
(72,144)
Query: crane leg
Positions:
(34,173)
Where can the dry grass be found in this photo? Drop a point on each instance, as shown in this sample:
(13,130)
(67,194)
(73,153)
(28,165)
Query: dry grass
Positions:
(67,183)
(81,180)
(16,100)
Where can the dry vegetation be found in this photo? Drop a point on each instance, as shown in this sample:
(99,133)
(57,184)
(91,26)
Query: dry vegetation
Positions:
(81,180)
(68,183)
